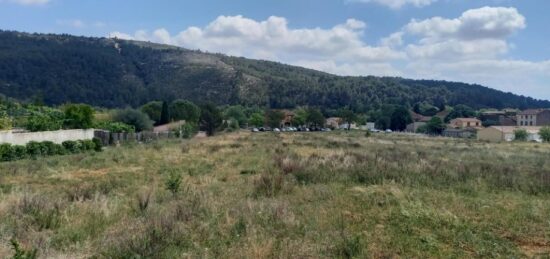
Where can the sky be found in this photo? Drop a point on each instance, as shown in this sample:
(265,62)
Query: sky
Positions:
(502,44)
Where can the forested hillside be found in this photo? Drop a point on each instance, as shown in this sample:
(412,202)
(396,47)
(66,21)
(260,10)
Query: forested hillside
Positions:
(117,73)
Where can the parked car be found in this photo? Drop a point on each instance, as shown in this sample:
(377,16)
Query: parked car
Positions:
(255,130)
(389,131)
(276,130)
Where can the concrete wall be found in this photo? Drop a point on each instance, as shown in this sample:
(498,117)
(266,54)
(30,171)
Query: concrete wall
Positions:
(53,136)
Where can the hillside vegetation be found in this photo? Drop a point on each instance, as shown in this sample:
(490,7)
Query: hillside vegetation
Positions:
(314,195)
(116,73)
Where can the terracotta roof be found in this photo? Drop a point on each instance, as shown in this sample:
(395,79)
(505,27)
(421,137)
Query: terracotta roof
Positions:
(467,119)
(169,126)
(511,129)
(531,112)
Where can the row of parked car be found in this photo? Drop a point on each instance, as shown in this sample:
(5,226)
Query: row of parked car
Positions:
(290,129)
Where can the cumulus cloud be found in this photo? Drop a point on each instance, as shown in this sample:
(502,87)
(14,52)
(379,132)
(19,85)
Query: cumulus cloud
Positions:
(471,48)
(341,46)
(396,4)
(28,2)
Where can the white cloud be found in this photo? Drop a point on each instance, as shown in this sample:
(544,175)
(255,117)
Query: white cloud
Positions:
(472,48)
(396,4)
(28,2)
(341,46)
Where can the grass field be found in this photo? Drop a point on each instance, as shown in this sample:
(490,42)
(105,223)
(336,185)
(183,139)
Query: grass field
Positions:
(314,195)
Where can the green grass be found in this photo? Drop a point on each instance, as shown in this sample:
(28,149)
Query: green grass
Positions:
(314,195)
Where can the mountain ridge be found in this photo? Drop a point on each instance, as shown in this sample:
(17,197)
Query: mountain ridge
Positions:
(112,72)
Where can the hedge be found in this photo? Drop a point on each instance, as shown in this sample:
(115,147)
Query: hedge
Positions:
(34,149)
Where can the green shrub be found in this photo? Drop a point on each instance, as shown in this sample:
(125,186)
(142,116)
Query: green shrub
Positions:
(545,134)
(173,182)
(97,145)
(34,149)
(87,145)
(19,152)
(6,153)
(521,135)
(188,130)
(72,147)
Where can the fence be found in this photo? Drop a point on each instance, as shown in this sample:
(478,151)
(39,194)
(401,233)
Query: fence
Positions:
(110,138)
(58,137)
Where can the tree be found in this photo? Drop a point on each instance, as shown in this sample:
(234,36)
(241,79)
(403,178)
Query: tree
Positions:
(435,126)
(153,110)
(300,117)
(460,111)
(185,110)
(236,112)
(274,118)
(256,120)
(78,116)
(400,118)
(521,135)
(5,121)
(45,119)
(139,120)
(164,114)
(348,116)
(545,134)
(315,118)
(210,119)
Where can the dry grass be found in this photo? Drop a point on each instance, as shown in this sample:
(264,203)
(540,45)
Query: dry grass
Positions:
(313,195)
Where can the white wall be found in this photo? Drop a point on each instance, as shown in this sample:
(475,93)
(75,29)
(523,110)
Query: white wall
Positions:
(53,136)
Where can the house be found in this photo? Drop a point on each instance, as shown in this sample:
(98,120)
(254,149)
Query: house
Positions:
(459,133)
(534,117)
(500,118)
(419,118)
(333,122)
(413,127)
(463,123)
(506,133)
(288,118)
(346,126)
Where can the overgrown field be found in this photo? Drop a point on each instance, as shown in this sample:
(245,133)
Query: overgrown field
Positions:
(266,195)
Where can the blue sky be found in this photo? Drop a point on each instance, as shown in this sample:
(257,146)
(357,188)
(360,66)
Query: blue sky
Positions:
(503,44)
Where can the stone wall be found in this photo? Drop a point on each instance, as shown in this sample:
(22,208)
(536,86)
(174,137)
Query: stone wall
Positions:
(53,136)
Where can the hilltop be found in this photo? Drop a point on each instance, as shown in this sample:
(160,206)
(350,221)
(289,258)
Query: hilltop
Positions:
(117,73)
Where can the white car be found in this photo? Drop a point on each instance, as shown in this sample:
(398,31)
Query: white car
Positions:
(276,130)
(389,131)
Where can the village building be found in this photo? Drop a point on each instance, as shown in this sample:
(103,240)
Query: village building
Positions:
(507,133)
(463,123)
(534,117)
(333,122)
(288,118)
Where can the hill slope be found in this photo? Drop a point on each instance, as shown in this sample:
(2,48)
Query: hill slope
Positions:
(117,73)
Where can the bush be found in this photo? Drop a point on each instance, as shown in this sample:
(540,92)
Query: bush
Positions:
(78,116)
(115,127)
(173,182)
(545,134)
(97,145)
(139,120)
(87,145)
(6,153)
(188,130)
(72,147)
(34,149)
(21,253)
(521,135)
